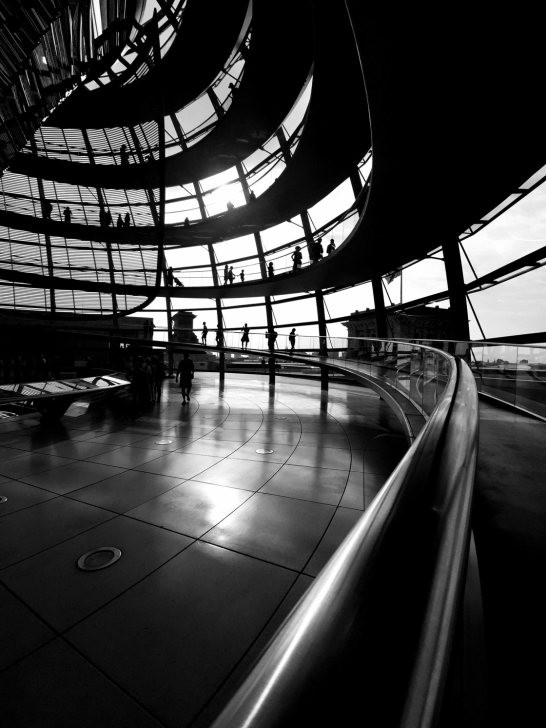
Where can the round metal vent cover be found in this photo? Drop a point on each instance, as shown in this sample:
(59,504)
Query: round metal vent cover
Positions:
(3,499)
(99,558)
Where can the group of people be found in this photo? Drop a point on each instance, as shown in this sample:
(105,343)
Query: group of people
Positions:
(316,253)
(271,336)
(105,219)
(146,375)
(229,275)
(105,216)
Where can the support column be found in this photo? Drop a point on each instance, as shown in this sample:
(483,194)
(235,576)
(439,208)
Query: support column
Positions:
(356,184)
(380,311)
(219,317)
(322,338)
(269,318)
(49,256)
(456,287)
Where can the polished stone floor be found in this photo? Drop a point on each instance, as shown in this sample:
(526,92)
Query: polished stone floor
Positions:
(224,510)
(510,527)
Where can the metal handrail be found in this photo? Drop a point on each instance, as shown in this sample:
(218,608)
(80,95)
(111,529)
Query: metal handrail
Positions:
(410,544)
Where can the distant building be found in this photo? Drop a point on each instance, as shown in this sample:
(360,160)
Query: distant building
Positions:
(424,323)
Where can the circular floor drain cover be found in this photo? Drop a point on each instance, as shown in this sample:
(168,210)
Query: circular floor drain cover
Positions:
(3,499)
(163,442)
(99,558)
(262,451)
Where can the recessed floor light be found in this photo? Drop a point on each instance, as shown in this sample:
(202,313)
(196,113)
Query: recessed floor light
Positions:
(3,499)
(99,558)
(261,451)
(163,442)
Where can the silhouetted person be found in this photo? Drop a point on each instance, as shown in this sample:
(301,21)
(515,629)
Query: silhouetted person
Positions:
(244,337)
(297,257)
(230,206)
(270,271)
(331,246)
(242,276)
(67,214)
(231,275)
(271,336)
(119,222)
(150,157)
(292,339)
(226,274)
(123,155)
(127,220)
(319,249)
(185,372)
(186,222)
(47,209)
(251,196)
(204,333)
(107,218)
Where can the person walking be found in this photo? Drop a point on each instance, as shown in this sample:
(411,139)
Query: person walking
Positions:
(119,221)
(123,154)
(292,339)
(231,275)
(270,271)
(244,337)
(242,276)
(107,218)
(47,209)
(127,220)
(67,214)
(204,333)
(271,337)
(297,258)
(226,274)
(185,373)
(331,246)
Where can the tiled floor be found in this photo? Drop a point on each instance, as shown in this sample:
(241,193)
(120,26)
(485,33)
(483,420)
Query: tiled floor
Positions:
(218,542)
(510,527)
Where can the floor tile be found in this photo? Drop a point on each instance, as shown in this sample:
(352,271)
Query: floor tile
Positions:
(213,605)
(22,632)
(179,465)
(26,464)
(284,531)
(321,457)
(191,508)
(321,485)
(126,490)
(342,522)
(69,692)
(76,449)
(20,495)
(279,437)
(126,457)
(31,530)
(234,473)
(71,477)
(204,446)
(62,594)
(353,497)
(118,438)
(325,439)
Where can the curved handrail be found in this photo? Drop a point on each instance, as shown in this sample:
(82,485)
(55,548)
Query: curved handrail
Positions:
(410,544)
